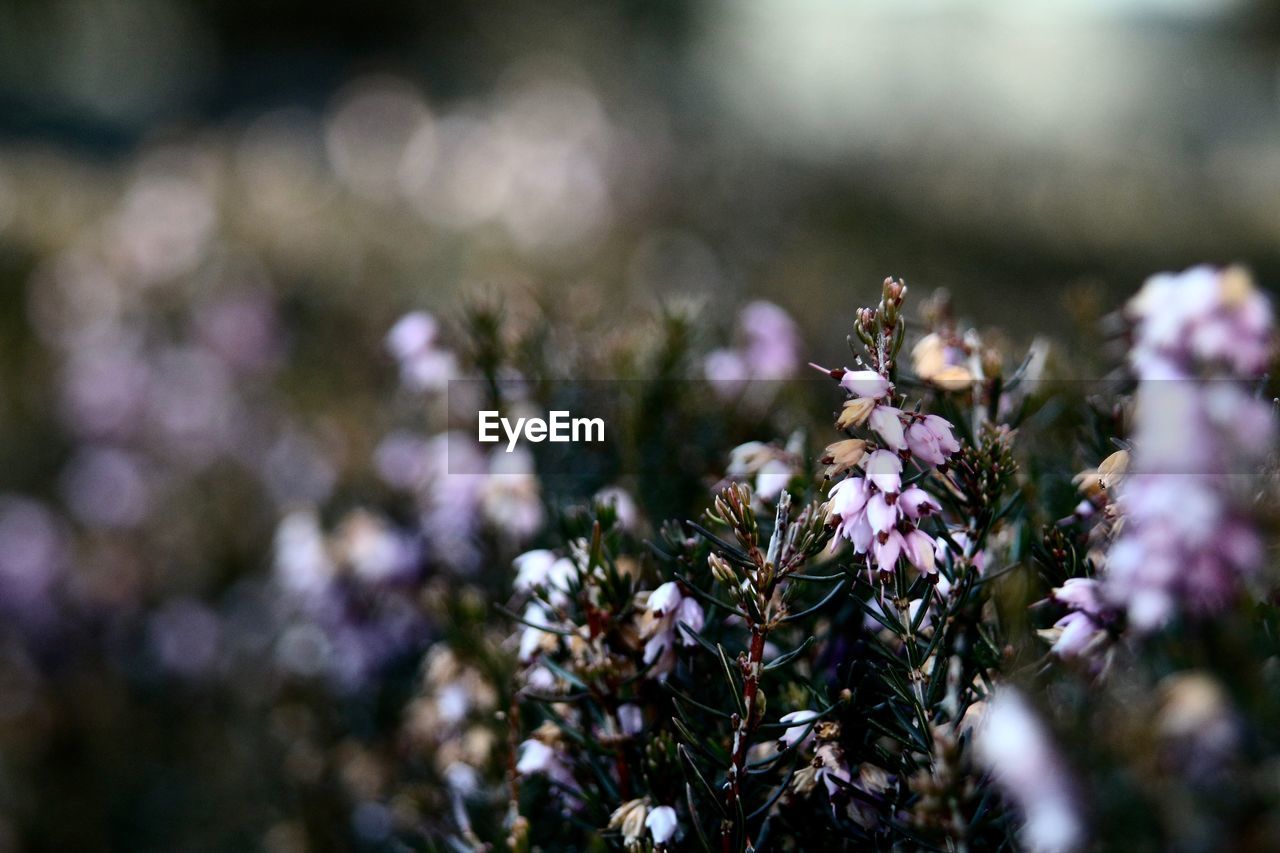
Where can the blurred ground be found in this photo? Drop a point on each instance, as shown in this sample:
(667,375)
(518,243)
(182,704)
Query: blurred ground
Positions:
(791,150)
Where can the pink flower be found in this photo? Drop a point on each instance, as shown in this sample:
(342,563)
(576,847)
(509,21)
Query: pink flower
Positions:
(865,383)
(918,546)
(1188,544)
(888,547)
(887,422)
(1079,633)
(881,514)
(923,444)
(916,503)
(771,341)
(849,497)
(1013,745)
(691,615)
(884,470)
(941,430)
(1082,594)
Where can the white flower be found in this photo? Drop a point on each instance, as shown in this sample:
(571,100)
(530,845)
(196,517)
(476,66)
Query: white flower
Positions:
(772,478)
(533,568)
(799,727)
(535,757)
(662,824)
(532,638)
(631,719)
(665,599)
(462,778)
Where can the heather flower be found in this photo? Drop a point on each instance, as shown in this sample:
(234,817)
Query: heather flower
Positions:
(1186,545)
(412,342)
(542,569)
(919,546)
(662,824)
(842,456)
(624,505)
(771,467)
(884,471)
(865,383)
(666,609)
(536,758)
(832,769)
(1013,745)
(855,412)
(887,422)
(771,341)
(916,503)
(631,719)
(799,726)
(944,363)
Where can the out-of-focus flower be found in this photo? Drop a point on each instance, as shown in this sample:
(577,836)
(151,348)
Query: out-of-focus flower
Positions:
(375,551)
(769,346)
(1200,729)
(631,718)
(1187,545)
(542,569)
(535,757)
(624,505)
(942,362)
(423,365)
(512,496)
(771,467)
(1083,632)
(302,560)
(1013,745)
(771,341)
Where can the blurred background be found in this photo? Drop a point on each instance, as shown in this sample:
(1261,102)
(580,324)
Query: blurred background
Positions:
(211,212)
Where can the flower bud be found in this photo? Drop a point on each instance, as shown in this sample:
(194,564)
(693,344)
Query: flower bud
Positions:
(721,570)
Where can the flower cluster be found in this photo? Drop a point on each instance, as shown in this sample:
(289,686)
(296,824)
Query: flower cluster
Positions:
(1187,544)
(875,511)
